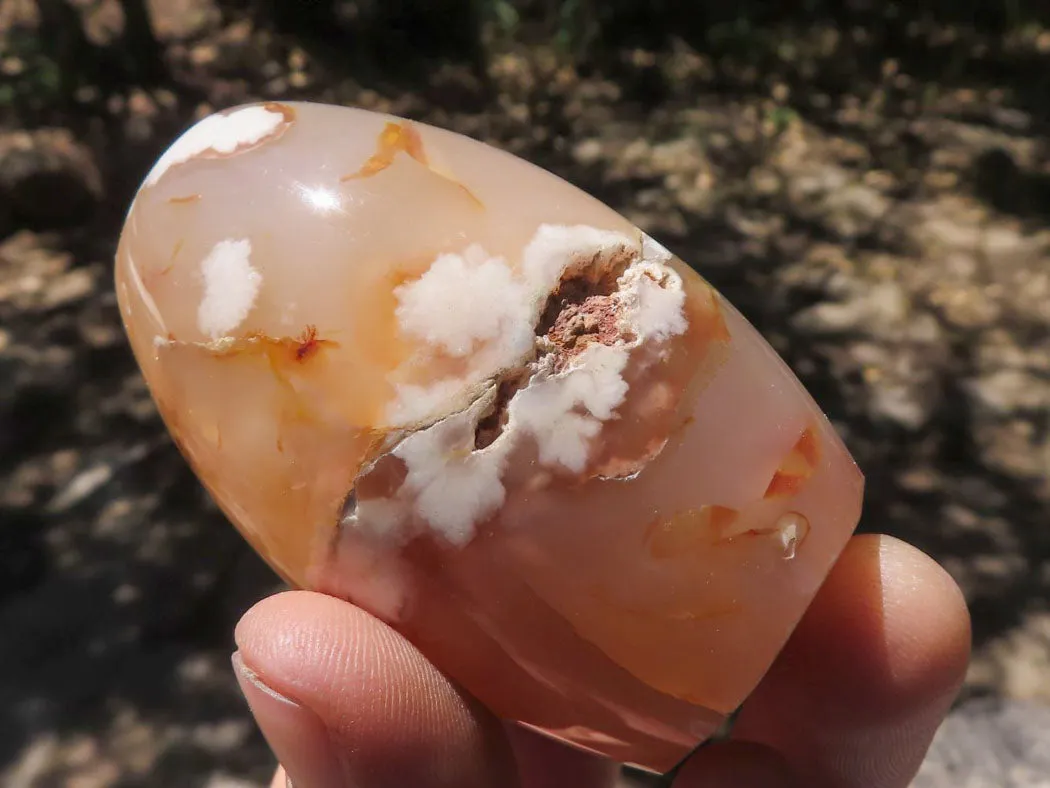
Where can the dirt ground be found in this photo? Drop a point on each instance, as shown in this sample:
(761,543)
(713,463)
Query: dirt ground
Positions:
(877,207)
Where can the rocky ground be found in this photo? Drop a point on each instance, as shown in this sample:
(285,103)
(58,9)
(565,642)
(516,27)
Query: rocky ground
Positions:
(879,214)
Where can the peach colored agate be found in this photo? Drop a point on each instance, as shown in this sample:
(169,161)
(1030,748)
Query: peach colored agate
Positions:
(426,376)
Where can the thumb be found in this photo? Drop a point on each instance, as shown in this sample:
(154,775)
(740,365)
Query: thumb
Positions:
(345,701)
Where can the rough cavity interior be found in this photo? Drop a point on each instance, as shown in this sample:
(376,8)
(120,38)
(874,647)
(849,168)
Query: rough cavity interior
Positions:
(548,352)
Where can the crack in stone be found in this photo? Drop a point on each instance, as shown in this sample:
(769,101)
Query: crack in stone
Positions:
(585,309)
(581,310)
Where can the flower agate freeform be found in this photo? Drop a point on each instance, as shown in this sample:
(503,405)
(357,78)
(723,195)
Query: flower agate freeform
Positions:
(428,377)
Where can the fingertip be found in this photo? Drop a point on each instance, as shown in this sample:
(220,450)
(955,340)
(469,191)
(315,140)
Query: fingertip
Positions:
(869,673)
(298,737)
(890,628)
(279,629)
(927,620)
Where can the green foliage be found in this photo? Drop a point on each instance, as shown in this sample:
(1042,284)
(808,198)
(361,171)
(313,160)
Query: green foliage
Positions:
(571,25)
(505,15)
(578,25)
(781,118)
(32,77)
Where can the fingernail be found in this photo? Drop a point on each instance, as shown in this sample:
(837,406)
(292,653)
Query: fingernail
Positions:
(296,734)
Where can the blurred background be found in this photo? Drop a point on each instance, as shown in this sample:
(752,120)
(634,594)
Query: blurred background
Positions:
(867,180)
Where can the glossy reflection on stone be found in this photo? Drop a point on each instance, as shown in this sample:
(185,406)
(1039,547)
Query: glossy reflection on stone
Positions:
(430,378)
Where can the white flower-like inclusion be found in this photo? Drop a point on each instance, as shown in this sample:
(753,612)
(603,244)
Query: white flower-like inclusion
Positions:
(231,286)
(221,135)
(464,300)
(478,307)
(548,407)
(454,486)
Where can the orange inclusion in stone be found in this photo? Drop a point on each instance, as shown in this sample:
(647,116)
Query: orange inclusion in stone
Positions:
(689,530)
(373,314)
(288,357)
(403,138)
(280,351)
(309,344)
(796,468)
(394,139)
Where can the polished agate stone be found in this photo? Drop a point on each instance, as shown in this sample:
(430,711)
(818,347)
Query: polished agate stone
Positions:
(428,377)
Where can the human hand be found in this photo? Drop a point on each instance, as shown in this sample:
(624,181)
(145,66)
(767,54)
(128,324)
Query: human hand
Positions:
(853,700)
